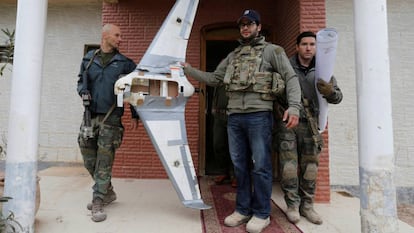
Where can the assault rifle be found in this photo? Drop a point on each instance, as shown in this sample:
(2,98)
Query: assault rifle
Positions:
(87,130)
(316,136)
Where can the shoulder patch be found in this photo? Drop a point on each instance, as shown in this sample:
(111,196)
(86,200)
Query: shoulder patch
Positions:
(279,49)
(274,47)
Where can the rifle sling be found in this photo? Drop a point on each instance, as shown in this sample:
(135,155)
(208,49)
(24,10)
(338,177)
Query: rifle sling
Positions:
(312,123)
(86,69)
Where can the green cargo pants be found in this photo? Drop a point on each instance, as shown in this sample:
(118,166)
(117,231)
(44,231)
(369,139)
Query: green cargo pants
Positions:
(98,152)
(299,160)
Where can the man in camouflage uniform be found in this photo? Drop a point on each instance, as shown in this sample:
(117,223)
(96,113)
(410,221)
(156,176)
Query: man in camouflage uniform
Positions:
(299,148)
(255,74)
(103,67)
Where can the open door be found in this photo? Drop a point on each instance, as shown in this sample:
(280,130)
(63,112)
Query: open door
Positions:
(217,41)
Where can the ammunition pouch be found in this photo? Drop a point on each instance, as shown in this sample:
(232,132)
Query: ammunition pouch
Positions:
(269,85)
(278,84)
(229,74)
(277,87)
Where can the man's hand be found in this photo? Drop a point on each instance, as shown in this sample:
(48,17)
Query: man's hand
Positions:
(185,64)
(84,92)
(292,120)
(134,123)
(326,89)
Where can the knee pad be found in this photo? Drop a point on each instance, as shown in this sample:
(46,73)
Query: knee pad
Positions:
(289,171)
(311,172)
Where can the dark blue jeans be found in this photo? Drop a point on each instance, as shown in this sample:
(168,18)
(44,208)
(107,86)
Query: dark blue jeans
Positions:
(250,137)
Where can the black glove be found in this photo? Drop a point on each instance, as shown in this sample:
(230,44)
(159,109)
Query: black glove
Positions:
(326,89)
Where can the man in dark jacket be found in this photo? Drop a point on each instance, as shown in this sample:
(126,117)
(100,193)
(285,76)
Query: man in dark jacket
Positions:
(299,148)
(103,67)
(251,74)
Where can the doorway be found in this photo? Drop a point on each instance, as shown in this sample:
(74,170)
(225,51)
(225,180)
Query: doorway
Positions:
(216,50)
(217,41)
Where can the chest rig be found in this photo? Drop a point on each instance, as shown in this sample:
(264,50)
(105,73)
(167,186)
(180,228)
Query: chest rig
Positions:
(243,74)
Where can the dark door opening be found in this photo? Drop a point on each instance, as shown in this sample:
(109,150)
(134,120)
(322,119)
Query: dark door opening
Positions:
(216,50)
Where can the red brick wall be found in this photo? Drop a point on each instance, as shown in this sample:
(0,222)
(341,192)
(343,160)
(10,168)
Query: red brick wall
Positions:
(140,20)
(323,190)
(137,157)
(288,16)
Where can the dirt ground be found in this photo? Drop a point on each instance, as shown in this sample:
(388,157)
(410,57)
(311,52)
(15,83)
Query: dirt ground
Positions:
(406,213)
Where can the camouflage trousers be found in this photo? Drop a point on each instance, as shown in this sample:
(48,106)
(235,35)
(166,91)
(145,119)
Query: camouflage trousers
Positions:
(299,160)
(98,152)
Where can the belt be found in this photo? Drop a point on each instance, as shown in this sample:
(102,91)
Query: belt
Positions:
(220,111)
(94,115)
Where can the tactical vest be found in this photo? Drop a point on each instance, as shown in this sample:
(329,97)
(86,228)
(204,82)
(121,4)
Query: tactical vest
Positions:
(243,74)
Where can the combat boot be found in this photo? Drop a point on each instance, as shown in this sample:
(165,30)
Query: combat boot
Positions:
(257,225)
(292,214)
(310,214)
(108,198)
(98,214)
(236,219)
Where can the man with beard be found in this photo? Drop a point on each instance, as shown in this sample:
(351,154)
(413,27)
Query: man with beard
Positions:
(255,74)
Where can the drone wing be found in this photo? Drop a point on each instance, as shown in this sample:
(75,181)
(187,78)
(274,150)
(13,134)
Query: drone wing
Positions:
(159,91)
(170,43)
